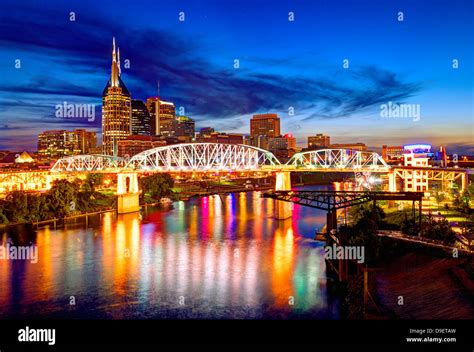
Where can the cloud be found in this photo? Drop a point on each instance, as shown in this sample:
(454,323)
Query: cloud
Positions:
(460,148)
(186,76)
(78,55)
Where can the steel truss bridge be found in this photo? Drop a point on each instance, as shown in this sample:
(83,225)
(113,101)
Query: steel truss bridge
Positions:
(216,157)
(338,159)
(443,175)
(208,157)
(334,200)
(202,157)
(88,163)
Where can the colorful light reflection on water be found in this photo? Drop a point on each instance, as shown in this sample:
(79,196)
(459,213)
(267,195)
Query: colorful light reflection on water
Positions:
(211,257)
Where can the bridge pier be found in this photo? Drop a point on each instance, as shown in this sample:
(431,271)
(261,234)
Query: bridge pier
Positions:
(392,182)
(283,210)
(127,193)
(463,181)
(331,221)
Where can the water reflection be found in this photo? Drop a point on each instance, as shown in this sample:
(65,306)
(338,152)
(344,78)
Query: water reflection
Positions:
(211,257)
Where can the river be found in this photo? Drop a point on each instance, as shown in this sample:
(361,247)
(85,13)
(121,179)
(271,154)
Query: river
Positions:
(206,258)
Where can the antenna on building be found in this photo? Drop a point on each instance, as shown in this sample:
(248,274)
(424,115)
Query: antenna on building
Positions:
(158,88)
(118,62)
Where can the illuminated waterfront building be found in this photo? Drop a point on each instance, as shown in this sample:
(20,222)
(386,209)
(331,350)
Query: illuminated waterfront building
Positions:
(263,127)
(86,141)
(138,143)
(217,137)
(51,143)
(140,119)
(162,116)
(354,146)
(206,131)
(283,147)
(416,180)
(183,126)
(116,108)
(318,141)
(57,143)
(416,156)
(417,149)
(392,152)
(16,160)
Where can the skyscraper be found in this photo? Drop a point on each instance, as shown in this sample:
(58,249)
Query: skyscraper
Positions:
(183,127)
(318,141)
(58,143)
(162,115)
(283,147)
(262,127)
(116,108)
(140,118)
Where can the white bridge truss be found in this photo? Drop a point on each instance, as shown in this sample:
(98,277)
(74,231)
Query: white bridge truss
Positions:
(339,159)
(88,163)
(208,157)
(202,157)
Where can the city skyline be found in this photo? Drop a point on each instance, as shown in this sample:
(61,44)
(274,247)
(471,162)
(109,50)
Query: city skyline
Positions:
(281,68)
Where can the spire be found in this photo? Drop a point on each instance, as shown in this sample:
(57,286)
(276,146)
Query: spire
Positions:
(118,62)
(115,79)
(114,72)
(113,49)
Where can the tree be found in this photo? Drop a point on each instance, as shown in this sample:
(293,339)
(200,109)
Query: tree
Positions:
(439,197)
(466,202)
(467,230)
(3,217)
(359,212)
(95,180)
(410,226)
(462,202)
(16,206)
(62,198)
(157,185)
(438,230)
(37,207)
(364,231)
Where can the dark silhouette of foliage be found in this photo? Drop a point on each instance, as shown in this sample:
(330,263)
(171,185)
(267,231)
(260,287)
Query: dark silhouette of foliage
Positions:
(156,186)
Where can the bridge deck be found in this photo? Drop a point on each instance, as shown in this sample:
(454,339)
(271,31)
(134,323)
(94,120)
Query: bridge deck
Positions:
(330,200)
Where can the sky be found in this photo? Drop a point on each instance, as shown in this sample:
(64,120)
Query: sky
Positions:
(291,61)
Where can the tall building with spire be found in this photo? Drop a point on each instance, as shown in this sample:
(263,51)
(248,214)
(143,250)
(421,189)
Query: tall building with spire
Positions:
(116,108)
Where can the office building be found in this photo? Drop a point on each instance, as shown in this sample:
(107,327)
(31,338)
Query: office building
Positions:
(58,143)
(116,108)
(361,147)
(182,126)
(283,147)
(140,119)
(162,115)
(392,152)
(318,141)
(133,145)
(263,127)
(218,137)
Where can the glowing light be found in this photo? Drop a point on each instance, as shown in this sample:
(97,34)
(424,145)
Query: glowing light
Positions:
(417,147)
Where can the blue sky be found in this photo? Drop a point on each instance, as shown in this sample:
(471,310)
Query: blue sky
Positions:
(283,64)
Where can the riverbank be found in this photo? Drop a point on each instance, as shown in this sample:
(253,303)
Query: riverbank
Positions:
(405,286)
(57,220)
(175,196)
